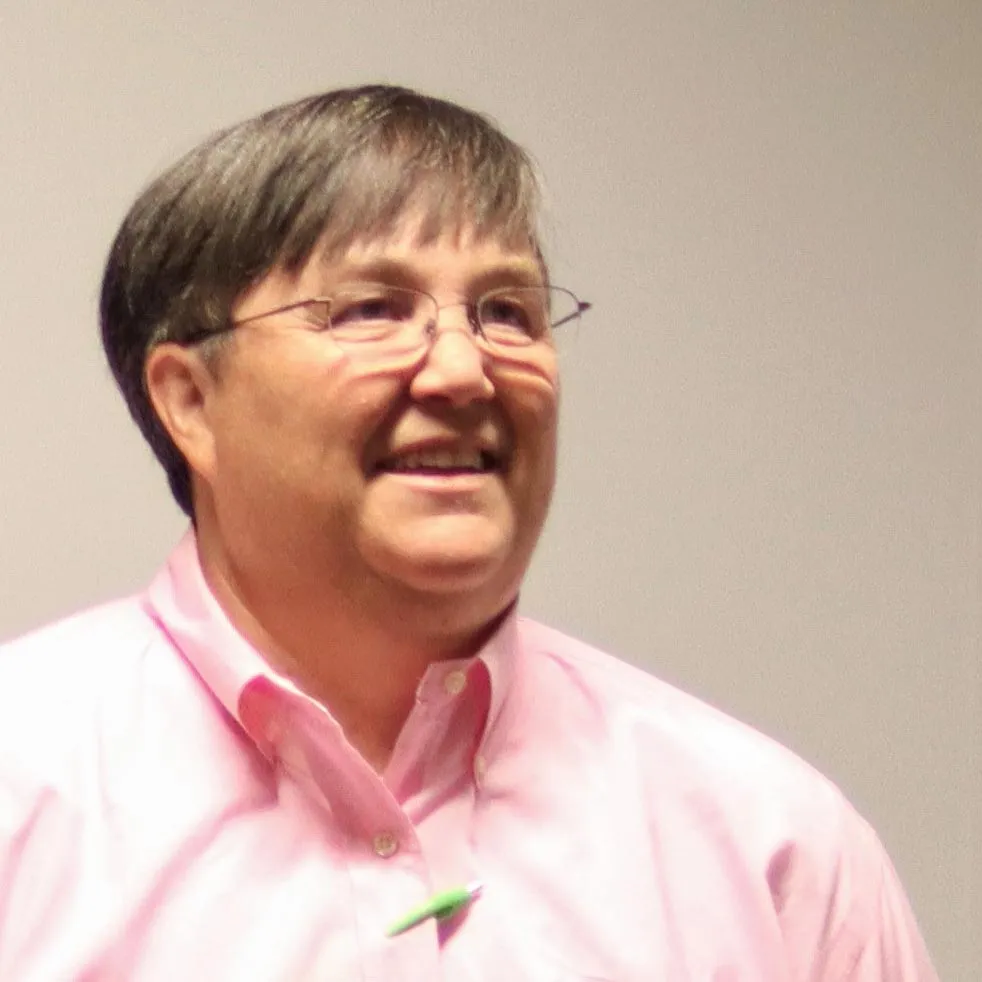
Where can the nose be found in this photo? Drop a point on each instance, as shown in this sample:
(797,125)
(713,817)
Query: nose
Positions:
(454,367)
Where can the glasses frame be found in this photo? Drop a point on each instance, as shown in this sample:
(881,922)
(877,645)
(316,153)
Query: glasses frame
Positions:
(581,307)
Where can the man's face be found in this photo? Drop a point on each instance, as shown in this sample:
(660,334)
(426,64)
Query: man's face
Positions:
(360,470)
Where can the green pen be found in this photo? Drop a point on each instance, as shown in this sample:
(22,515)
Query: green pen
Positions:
(441,906)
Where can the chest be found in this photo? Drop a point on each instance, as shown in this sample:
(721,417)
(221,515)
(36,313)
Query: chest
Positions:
(579,883)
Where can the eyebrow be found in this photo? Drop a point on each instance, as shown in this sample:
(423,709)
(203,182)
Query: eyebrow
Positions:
(524,272)
(519,272)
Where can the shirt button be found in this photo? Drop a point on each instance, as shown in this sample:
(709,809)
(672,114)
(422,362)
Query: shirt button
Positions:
(385,845)
(455,682)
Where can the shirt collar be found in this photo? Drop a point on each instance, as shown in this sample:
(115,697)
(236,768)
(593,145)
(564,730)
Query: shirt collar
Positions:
(183,605)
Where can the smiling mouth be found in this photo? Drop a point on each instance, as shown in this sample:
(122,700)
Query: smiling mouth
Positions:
(437,463)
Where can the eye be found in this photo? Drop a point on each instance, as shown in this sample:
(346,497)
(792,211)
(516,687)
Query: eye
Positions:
(371,305)
(505,312)
(517,314)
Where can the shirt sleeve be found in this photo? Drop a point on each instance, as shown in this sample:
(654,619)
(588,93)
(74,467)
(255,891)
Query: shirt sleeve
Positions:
(871,933)
(37,861)
(893,949)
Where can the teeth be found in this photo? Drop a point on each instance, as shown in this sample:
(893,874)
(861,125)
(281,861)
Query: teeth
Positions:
(471,460)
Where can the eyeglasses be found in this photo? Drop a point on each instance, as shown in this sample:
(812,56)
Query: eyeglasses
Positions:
(374,318)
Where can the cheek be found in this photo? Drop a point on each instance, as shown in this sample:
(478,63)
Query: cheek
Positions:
(530,395)
(305,440)
(298,391)
(531,402)
(533,382)
(266,427)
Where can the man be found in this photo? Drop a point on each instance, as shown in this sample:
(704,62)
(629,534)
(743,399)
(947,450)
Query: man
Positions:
(334,326)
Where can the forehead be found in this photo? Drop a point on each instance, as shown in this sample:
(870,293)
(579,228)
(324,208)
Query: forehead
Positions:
(423,224)
(411,251)
(442,260)
(457,261)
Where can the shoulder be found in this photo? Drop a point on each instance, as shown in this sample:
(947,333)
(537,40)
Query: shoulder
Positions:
(70,655)
(627,693)
(68,686)
(715,794)
(676,739)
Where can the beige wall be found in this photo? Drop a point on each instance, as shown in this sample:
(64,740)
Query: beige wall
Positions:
(771,465)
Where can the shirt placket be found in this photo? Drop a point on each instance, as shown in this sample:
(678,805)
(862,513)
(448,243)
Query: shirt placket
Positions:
(386,867)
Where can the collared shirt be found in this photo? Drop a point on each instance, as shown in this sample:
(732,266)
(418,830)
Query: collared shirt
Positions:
(172,808)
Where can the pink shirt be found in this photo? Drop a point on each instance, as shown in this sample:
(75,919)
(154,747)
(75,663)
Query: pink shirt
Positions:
(171,809)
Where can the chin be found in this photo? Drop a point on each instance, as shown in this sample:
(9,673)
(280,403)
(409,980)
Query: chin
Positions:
(445,573)
(450,553)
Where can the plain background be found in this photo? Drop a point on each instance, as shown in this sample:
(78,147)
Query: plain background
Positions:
(770,471)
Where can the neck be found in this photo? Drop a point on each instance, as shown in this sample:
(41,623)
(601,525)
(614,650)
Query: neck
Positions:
(364,669)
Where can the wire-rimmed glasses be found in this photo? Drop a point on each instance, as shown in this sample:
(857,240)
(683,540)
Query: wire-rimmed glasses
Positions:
(376,318)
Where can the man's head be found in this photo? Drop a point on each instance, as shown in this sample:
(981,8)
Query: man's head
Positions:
(320,173)
(432,469)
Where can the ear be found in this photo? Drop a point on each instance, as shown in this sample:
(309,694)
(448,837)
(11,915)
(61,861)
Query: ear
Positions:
(181,387)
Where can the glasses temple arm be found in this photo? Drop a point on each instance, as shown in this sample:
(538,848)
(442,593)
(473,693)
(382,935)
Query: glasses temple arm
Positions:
(582,306)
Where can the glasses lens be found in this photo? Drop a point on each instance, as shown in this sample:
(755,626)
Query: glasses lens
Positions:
(523,315)
(373,319)
(373,316)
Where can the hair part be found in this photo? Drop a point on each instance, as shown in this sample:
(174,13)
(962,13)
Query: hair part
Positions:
(315,175)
